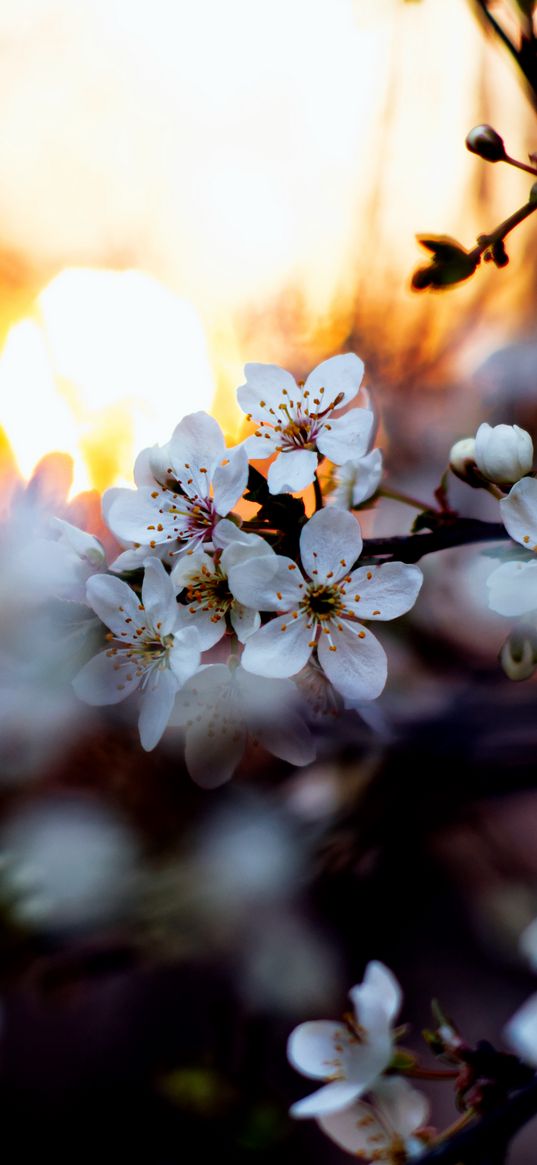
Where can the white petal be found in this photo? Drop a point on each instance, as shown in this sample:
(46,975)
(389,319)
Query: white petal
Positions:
(261,445)
(85,545)
(229,479)
(311,1047)
(385,986)
(289,739)
(157,703)
(330,543)
(115,603)
(403,1106)
(263,390)
(281,648)
(132,513)
(104,680)
(357,1130)
(346,438)
(331,1098)
(513,588)
(213,751)
(158,596)
(386,591)
(197,441)
(358,667)
(244,621)
(209,627)
(189,565)
(519,512)
(357,480)
(521,1031)
(184,656)
(339,374)
(267,582)
(292,471)
(144,467)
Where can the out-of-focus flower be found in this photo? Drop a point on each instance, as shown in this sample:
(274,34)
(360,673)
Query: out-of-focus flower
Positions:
(325,610)
(298,421)
(184,488)
(520,1032)
(513,588)
(383,1128)
(67,864)
(149,650)
(528,944)
(356,481)
(350,1055)
(503,453)
(518,655)
(222,706)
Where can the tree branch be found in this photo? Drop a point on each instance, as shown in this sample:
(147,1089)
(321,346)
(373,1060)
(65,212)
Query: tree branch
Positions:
(412,547)
(486,1141)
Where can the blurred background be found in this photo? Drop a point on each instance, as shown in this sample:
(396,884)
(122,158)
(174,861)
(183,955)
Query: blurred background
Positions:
(186,188)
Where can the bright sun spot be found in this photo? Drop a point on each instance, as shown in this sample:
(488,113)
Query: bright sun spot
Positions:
(109,364)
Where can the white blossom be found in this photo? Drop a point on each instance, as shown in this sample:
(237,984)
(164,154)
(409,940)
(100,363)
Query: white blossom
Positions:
(210,603)
(513,584)
(356,481)
(323,608)
(183,489)
(383,1128)
(298,421)
(148,648)
(350,1055)
(503,453)
(222,706)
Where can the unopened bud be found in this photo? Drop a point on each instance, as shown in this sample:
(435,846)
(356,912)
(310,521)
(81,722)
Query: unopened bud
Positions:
(462,462)
(486,143)
(518,656)
(533,193)
(503,453)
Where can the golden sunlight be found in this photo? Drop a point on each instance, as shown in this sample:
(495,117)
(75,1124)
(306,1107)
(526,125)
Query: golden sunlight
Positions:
(109,363)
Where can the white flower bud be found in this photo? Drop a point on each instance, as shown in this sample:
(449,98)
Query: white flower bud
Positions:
(503,453)
(462,461)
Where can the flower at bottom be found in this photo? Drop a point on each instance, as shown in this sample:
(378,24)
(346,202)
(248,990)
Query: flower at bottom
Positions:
(221,706)
(383,1128)
(148,650)
(350,1055)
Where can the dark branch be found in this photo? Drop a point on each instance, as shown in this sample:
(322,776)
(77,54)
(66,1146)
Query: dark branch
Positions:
(412,547)
(487,1140)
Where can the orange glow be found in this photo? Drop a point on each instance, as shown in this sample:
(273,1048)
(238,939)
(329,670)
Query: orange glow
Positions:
(267,167)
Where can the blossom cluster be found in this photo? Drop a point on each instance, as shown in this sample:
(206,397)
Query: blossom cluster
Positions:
(219,624)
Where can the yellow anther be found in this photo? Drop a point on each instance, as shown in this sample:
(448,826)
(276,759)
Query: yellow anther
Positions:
(361,635)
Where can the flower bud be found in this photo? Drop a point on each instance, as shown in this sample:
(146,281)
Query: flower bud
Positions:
(484,141)
(503,453)
(462,462)
(518,656)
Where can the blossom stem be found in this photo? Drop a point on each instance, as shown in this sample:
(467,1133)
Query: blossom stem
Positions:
(505,227)
(406,499)
(457,1126)
(520,165)
(318,493)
